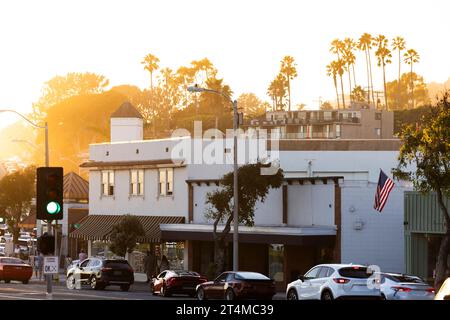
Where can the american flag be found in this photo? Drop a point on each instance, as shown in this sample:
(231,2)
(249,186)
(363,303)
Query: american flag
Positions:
(384,187)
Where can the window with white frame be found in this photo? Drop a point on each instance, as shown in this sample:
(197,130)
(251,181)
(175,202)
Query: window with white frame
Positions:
(165,181)
(137,182)
(108,183)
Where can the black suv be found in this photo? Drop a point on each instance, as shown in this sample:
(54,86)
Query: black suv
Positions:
(99,273)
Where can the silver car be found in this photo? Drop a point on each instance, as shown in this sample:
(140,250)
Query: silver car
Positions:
(396,286)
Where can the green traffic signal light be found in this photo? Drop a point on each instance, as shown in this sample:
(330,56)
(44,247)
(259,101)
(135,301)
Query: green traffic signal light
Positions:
(53,207)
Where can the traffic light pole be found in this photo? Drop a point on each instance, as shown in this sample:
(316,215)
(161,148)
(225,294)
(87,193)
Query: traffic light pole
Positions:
(49,276)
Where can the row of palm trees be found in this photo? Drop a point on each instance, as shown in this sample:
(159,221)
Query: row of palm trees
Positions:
(345,63)
(281,85)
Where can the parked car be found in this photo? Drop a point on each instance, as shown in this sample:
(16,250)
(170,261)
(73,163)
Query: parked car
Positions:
(233,285)
(171,282)
(334,281)
(99,273)
(14,269)
(396,286)
(444,291)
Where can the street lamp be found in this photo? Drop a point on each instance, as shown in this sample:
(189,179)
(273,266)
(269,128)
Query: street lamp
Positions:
(45,126)
(235,170)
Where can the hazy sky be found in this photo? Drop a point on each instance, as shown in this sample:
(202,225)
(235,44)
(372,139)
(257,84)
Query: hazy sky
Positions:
(244,39)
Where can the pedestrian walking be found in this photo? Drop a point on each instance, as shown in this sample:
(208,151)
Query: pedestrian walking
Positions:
(150,265)
(38,266)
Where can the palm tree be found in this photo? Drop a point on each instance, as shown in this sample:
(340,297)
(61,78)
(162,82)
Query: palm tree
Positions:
(384,56)
(332,72)
(349,59)
(150,63)
(290,72)
(411,56)
(364,43)
(340,68)
(338,48)
(398,43)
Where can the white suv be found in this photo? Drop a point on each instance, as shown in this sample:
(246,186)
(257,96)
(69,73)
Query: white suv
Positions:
(335,281)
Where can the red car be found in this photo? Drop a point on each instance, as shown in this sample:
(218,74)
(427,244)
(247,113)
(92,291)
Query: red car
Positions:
(232,285)
(14,269)
(169,282)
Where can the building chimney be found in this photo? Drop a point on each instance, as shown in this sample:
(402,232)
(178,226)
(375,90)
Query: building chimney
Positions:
(126,124)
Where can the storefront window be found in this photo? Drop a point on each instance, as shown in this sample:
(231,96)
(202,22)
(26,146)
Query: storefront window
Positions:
(276,262)
(174,251)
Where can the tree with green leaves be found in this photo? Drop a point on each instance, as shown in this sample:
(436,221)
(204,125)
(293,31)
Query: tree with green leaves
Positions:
(399,44)
(150,63)
(289,71)
(125,234)
(253,187)
(411,56)
(384,56)
(16,191)
(427,148)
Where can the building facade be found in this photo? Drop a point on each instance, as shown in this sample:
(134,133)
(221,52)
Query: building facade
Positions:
(322,213)
(424,229)
(358,123)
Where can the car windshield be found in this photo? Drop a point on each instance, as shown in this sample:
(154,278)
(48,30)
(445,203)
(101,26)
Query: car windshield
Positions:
(403,278)
(250,276)
(183,273)
(116,264)
(11,261)
(355,272)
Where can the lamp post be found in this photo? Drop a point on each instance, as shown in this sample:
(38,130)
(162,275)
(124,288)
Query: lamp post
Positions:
(45,127)
(235,171)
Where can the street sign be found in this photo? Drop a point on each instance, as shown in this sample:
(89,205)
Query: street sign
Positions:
(51,265)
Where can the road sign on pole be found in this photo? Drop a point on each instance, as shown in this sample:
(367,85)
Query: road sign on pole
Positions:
(51,265)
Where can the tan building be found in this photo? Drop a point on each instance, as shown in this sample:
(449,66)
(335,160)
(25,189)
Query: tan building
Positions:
(357,123)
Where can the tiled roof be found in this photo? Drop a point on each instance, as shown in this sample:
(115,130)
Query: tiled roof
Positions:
(75,187)
(126,110)
(99,227)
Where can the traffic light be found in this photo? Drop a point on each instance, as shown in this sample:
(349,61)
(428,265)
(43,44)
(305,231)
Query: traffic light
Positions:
(46,244)
(49,194)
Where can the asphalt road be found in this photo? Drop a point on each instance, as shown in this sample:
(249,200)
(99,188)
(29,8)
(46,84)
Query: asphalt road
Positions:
(37,291)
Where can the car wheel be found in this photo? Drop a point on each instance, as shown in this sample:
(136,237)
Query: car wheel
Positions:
(164,291)
(125,287)
(292,295)
(25,281)
(70,282)
(326,295)
(229,294)
(201,294)
(93,283)
(7,281)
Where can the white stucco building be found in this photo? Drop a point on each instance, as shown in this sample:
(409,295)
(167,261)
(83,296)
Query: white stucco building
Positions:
(323,212)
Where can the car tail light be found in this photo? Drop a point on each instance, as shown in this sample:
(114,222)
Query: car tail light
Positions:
(341,280)
(401,289)
(430,290)
(106,269)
